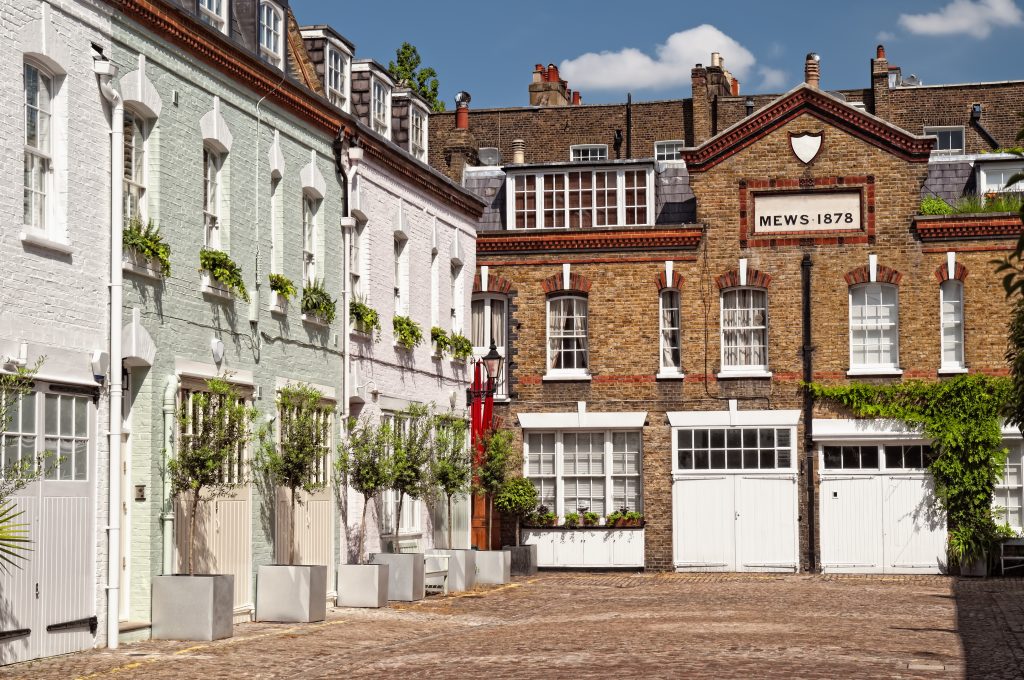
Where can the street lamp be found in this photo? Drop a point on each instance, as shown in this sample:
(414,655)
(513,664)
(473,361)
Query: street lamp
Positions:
(492,362)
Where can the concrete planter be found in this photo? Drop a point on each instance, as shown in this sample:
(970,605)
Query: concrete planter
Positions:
(978,568)
(405,575)
(524,559)
(296,593)
(196,607)
(461,568)
(493,567)
(362,585)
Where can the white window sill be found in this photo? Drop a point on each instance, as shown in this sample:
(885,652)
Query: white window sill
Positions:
(953,370)
(877,370)
(278,304)
(669,375)
(213,289)
(754,373)
(566,377)
(135,264)
(314,320)
(41,240)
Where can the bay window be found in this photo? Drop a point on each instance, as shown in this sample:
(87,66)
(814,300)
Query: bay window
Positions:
(567,336)
(671,340)
(38,92)
(489,324)
(744,330)
(874,327)
(951,294)
(134,169)
(271,31)
(580,198)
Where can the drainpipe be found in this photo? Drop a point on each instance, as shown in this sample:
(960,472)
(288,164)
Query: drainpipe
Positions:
(106,71)
(808,359)
(348,224)
(629,125)
(166,502)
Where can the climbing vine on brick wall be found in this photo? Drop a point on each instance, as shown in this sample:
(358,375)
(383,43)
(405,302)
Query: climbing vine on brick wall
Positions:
(963,419)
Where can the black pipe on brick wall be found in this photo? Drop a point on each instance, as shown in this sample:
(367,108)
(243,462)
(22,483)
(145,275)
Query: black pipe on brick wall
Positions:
(808,360)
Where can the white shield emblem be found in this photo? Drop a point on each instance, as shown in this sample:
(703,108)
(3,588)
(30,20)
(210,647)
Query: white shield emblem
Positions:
(806,145)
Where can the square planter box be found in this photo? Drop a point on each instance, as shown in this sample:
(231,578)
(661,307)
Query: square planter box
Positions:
(493,567)
(196,607)
(405,575)
(362,585)
(461,568)
(296,593)
(524,559)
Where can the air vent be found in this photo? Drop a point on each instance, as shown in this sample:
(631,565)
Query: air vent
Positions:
(489,155)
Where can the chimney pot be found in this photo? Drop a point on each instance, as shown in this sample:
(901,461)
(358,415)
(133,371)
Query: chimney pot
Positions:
(518,151)
(735,87)
(553,73)
(880,52)
(716,59)
(462,100)
(812,70)
(576,99)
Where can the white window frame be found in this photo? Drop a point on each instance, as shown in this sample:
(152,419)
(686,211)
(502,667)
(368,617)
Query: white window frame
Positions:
(357,261)
(401,276)
(743,370)
(568,373)
(669,150)
(214,13)
(212,165)
(418,149)
(588,153)
(609,475)
(728,431)
(934,130)
(882,465)
(382,105)
(36,435)
(272,51)
(456,297)
(409,524)
(338,81)
(663,329)
(40,153)
(1011,482)
(479,351)
(135,186)
(985,170)
(957,323)
(538,196)
(891,368)
(310,210)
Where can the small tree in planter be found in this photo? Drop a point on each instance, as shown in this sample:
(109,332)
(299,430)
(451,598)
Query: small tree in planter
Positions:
(493,470)
(451,467)
(517,498)
(410,453)
(363,461)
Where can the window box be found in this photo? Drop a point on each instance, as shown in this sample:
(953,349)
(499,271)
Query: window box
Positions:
(587,547)
(278,303)
(213,288)
(315,320)
(134,263)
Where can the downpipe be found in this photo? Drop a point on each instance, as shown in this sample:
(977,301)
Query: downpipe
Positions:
(808,368)
(166,501)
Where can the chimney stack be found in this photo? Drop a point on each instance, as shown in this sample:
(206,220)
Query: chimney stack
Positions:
(812,70)
(547,87)
(518,151)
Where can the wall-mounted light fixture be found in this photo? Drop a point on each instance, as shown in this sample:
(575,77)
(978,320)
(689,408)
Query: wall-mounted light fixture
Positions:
(217,347)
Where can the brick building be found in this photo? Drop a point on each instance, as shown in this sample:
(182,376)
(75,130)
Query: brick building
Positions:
(662,276)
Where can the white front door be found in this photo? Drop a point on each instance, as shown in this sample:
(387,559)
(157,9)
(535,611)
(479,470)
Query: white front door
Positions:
(313,529)
(704,523)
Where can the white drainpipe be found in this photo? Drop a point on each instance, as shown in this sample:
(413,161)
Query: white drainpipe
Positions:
(107,72)
(167,506)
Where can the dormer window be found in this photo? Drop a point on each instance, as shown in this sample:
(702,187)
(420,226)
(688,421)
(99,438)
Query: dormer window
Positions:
(337,77)
(271,45)
(214,13)
(381,108)
(418,133)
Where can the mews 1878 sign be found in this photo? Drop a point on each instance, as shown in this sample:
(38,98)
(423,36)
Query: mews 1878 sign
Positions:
(796,212)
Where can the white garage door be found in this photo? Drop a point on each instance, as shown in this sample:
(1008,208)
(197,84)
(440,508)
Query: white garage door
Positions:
(734,500)
(878,511)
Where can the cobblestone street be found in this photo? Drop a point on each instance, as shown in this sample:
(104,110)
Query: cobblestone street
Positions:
(611,625)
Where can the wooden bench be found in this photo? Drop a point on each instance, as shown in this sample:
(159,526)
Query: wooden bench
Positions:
(1015,558)
(435,567)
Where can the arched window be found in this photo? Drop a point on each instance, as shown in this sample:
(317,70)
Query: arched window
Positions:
(671,333)
(951,294)
(38,92)
(744,330)
(214,13)
(874,327)
(271,43)
(134,168)
(568,351)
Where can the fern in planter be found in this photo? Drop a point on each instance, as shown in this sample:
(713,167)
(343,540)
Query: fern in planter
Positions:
(148,242)
(440,339)
(408,333)
(460,345)
(316,302)
(223,269)
(364,315)
(283,286)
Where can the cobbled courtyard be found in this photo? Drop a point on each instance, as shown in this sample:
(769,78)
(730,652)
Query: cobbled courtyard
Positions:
(569,625)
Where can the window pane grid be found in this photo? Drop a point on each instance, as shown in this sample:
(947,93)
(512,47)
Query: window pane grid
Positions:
(744,328)
(567,333)
(951,293)
(734,449)
(67,437)
(380,112)
(588,153)
(270,32)
(873,325)
(668,151)
(670,330)
(417,143)
(18,440)
(526,201)
(554,201)
(38,96)
(636,197)
(1009,491)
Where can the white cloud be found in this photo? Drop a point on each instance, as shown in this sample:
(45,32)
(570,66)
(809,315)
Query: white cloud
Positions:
(632,69)
(771,78)
(885,36)
(975,18)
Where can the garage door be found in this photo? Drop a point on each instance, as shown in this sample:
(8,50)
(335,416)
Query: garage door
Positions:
(878,511)
(734,500)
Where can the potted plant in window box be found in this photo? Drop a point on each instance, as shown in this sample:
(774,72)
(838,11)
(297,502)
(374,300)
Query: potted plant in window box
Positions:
(572,520)
(317,305)
(452,471)
(362,463)
(494,566)
(440,340)
(589,519)
(542,518)
(215,426)
(145,251)
(364,317)
(461,347)
(284,290)
(290,592)
(408,333)
(518,496)
(624,517)
(221,276)
(410,450)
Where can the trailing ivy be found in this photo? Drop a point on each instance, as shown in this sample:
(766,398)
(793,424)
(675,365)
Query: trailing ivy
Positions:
(223,269)
(462,348)
(364,315)
(408,333)
(316,302)
(283,286)
(440,339)
(148,242)
(963,419)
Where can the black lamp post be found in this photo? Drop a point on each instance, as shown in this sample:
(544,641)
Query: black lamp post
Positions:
(492,362)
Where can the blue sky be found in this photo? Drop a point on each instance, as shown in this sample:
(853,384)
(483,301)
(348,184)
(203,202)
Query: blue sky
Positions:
(490,48)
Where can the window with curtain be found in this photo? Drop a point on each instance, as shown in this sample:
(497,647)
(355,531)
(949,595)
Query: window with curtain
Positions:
(744,329)
(874,326)
(671,340)
(489,322)
(567,335)
(952,300)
